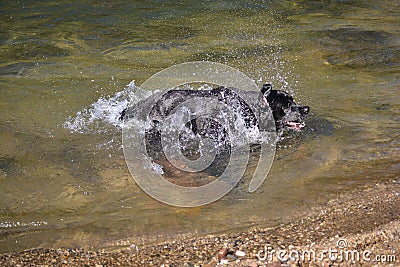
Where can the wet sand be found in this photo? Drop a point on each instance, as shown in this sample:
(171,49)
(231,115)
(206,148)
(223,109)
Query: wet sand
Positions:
(357,228)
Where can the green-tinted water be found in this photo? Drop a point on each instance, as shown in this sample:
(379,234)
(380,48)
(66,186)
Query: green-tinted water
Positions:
(60,188)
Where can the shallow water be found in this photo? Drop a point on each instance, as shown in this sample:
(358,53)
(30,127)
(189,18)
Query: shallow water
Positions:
(72,188)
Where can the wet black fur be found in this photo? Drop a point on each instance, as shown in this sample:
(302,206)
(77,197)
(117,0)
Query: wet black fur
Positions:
(283,107)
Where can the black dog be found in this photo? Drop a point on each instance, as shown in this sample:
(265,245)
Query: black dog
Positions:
(287,114)
(252,106)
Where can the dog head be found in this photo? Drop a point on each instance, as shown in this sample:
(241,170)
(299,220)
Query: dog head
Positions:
(286,112)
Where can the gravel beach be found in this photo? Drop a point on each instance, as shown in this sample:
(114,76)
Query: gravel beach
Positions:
(357,228)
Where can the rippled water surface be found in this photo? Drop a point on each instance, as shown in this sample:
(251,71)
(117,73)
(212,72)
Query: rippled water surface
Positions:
(64,71)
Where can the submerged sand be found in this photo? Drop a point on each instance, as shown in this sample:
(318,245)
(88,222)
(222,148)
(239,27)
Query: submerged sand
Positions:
(357,228)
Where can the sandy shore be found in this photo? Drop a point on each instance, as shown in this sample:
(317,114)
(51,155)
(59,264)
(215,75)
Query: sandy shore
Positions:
(361,228)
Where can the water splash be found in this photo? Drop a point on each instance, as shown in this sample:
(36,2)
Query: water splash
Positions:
(105,111)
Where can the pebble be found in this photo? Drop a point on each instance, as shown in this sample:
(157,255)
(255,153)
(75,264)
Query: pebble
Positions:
(222,254)
(240,253)
(253,264)
(274,264)
(224,261)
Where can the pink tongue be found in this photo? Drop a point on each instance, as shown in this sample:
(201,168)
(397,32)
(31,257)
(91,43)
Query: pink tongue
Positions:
(295,125)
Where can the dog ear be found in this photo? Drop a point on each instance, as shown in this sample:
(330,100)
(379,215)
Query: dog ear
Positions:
(266,89)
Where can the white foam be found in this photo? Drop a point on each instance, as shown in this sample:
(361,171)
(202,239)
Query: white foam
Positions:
(105,110)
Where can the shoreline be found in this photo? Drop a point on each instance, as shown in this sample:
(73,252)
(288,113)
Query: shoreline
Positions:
(363,221)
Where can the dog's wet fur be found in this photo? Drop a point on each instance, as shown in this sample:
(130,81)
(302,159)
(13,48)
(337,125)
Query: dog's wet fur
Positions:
(287,114)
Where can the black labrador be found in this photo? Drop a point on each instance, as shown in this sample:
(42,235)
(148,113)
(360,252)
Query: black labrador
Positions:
(287,114)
